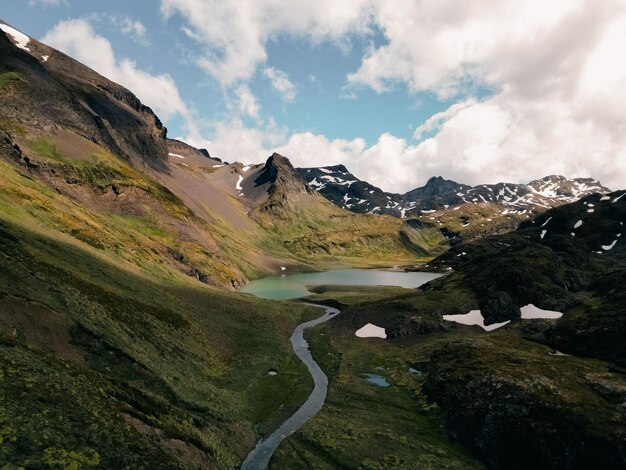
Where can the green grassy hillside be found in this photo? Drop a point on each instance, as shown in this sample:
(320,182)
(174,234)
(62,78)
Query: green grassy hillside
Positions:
(140,361)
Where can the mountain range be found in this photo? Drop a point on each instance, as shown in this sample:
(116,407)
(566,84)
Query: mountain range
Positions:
(344,189)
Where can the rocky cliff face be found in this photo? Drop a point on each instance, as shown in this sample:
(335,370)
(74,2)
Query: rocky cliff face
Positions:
(44,91)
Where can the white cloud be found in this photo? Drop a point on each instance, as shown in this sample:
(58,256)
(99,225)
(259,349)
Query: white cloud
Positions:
(78,39)
(233,141)
(133,29)
(247,102)
(48,3)
(438,119)
(306,149)
(281,83)
(233,34)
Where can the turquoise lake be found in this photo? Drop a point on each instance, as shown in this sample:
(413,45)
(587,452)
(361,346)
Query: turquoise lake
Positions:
(292,286)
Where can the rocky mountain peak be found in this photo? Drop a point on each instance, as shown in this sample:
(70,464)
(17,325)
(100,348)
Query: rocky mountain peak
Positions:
(281,180)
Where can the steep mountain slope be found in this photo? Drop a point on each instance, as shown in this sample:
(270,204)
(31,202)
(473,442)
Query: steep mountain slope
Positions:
(50,91)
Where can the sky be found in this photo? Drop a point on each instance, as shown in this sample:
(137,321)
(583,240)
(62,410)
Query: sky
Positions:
(478,91)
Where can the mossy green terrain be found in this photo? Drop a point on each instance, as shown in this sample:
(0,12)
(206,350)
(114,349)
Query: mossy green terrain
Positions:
(363,425)
(510,401)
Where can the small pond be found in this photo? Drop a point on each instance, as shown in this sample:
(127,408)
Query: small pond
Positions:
(377,379)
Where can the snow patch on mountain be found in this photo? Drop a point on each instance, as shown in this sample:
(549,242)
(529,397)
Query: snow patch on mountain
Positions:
(19,38)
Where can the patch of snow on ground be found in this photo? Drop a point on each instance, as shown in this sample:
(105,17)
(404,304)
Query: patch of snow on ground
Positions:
(245,168)
(272,372)
(283,268)
(543,233)
(20,38)
(325,170)
(590,210)
(619,197)
(44,58)
(316,184)
(175,155)
(557,353)
(238,185)
(371,331)
(546,222)
(474,317)
(217,166)
(530,312)
(609,247)
(578,224)
(430,211)
(605,198)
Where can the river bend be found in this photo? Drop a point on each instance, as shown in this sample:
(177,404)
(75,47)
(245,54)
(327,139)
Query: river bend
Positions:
(259,457)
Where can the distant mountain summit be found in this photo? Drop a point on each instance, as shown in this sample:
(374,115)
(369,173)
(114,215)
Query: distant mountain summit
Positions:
(341,187)
(436,193)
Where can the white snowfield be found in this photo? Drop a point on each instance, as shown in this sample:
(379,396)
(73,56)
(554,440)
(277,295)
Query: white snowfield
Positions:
(371,331)
(238,185)
(610,247)
(21,40)
(175,155)
(543,233)
(578,224)
(245,168)
(474,317)
(530,312)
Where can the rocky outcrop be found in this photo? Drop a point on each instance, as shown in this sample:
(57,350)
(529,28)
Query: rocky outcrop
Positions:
(281,180)
(504,404)
(498,307)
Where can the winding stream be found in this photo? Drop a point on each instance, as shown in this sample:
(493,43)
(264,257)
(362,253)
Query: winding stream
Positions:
(260,456)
